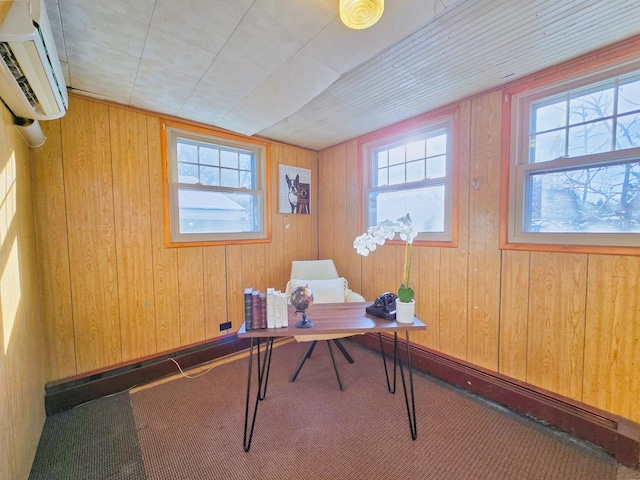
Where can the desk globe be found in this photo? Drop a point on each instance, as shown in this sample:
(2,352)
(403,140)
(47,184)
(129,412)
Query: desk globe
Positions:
(302,298)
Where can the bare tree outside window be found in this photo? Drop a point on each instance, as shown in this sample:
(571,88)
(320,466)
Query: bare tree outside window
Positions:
(579,186)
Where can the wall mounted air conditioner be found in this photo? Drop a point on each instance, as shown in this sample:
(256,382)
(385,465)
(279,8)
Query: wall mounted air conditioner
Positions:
(31,80)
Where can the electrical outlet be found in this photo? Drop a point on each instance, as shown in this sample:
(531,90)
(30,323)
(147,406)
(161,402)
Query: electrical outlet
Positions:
(225,326)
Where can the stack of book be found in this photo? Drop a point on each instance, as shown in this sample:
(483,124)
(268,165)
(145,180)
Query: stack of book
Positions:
(265,309)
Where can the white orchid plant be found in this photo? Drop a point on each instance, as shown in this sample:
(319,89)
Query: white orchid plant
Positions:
(387,230)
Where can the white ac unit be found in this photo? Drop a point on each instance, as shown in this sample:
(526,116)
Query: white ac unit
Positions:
(31,80)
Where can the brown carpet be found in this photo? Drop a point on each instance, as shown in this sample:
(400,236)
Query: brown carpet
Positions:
(309,429)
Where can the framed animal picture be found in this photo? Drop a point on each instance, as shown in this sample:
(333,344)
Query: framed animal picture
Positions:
(294,187)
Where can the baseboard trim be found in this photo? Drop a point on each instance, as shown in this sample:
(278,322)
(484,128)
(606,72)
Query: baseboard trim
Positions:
(70,392)
(617,435)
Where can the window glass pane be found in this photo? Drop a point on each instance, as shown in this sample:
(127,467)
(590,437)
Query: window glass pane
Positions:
(437,145)
(437,167)
(382,158)
(381,177)
(210,176)
(396,155)
(229,157)
(247,180)
(628,135)
(229,178)
(548,146)
(187,151)
(549,117)
(591,106)
(187,173)
(590,138)
(246,161)
(396,175)
(603,199)
(202,211)
(415,171)
(209,155)
(416,150)
(425,204)
(629,97)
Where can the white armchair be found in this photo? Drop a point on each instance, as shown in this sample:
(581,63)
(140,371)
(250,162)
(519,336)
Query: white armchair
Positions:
(328,287)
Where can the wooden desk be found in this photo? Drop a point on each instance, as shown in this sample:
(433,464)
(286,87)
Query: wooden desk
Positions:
(329,318)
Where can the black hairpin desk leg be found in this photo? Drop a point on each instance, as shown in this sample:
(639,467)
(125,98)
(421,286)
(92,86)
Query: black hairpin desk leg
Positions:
(263,378)
(384,361)
(411,410)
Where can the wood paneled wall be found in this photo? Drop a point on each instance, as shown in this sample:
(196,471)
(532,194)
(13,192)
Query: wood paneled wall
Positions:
(22,361)
(111,291)
(567,323)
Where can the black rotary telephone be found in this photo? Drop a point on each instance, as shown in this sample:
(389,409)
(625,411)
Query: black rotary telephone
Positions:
(384,306)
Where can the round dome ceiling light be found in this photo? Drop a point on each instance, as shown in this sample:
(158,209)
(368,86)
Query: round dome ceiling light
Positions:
(359,14)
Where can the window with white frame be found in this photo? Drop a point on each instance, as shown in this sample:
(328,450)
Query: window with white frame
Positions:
(412,172)
(216,187)
(575,162)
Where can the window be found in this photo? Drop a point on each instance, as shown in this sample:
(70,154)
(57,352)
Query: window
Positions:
(412,170)
(216,187)
(574,175)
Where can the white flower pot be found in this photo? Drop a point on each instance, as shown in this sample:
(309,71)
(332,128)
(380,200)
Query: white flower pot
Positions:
(405,311)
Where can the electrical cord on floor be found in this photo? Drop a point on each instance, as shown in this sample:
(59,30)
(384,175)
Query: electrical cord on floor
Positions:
(192,376)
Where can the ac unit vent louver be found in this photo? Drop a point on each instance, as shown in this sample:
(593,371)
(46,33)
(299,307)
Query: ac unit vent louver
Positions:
(31,80)
(10,59)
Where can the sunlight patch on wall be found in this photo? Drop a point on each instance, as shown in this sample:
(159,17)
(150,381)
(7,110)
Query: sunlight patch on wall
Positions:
(10,293)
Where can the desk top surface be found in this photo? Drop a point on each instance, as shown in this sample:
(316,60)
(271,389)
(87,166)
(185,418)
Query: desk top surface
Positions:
(334,318)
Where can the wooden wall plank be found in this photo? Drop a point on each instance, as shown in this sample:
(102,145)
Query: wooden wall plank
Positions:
(53,255)
(453,303)
(307,241)
(484,220)
(278,271)
(130,161)
(326,176)
(191,295)
(9,437)
(310,237)
(368,289)
(340,223)
(514,309)
(353,221)
(453,272)
(6,419)
(385,276)
(19,293)
(90,225)
(612,353)
(165,260)
(426,265)
(339,213)
(215,290)
(236,285)
(555,349)
(22,357)
(254,267)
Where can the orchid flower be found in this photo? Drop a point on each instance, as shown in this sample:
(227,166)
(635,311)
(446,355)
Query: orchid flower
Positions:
(386,230)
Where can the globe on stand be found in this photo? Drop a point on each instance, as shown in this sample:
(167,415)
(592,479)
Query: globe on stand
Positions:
(302,298)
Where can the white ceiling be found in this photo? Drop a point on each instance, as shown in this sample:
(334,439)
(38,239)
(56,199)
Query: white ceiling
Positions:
(289,70)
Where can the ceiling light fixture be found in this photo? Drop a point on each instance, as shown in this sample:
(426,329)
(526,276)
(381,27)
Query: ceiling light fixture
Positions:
(360,14)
